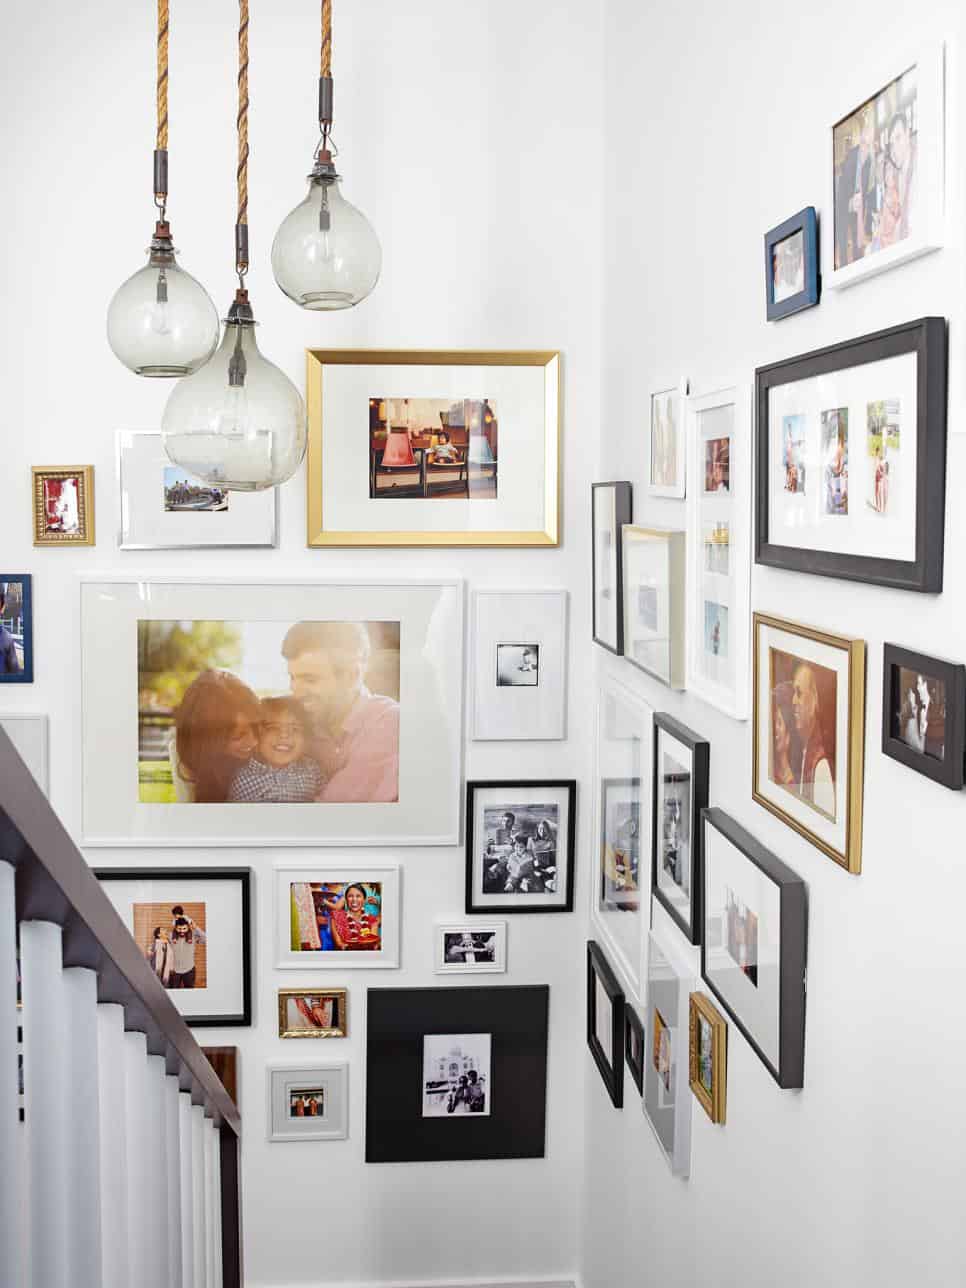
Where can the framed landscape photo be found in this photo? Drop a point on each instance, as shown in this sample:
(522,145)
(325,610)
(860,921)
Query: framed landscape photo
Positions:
(809,734)
(332,917)
(271,712)
(605,1022)
(924,714)
(680,792)
(708,1056)
(518,665)
(63,505)
(655,602)
(634,1046)
(520,846)
(851,459)
(667,454)
(307,1013)
(610,505)
(791,265)
(308,1102)
(470,948)
(16,628)
(667,1098)
(433,448)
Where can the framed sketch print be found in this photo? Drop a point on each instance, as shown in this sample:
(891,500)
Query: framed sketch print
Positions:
(680,792)
(719,554)
(852,459)
(193,926)
(433,448)
(753,946)
(16,628)
(667,1097)
(29,735)
(319,1013)
(63,505)
(809,733)
(791,265)
(605,1022)
(708,1056)
(655,602)
(163,507)
(610,506)
(887,166)
(470,948)
(308,1102)
(520,846)
(667,455)
(518,667)
(456,1073)
(332,917)
(924,714)
(634,1046)
(271,712)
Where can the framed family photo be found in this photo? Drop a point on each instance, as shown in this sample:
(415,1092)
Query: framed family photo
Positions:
(520,846)
(924,714)
(667,453)
(851,459)
(667,1098)
(681,767)
(518,667)
(322,1013)
(791,265)
(16,628)
(63,505)
(605,1022)
(308,1102)
(331,917)
(655,602)
(708,1056)
(470,948)
(610,505)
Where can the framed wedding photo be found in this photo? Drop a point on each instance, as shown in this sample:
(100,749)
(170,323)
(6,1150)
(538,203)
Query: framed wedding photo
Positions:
(809,734)
(610,507)
(680,792)
(308,1102)
(16,628)
(708,1056)
(518,666)
(520,846)
(924,714)
(470,948)
(63,505)
(667,1097)
(605,1022)
(851,459)
(308,1013)
(655,602)
(332,917)
(667,454)
(634,1044)
(791,265)
(433,448)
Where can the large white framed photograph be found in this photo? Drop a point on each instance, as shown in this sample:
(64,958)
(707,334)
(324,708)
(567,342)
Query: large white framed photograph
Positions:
(308,1101)
(337,917)
(470,948)
(667,1087)
(518,665)
(271,712)
(667,446)
(29,735)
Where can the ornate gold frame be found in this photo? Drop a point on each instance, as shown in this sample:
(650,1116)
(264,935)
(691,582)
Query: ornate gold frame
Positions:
(549,359)
(85,504)
(851,860)
(714,1105)
(339,1030)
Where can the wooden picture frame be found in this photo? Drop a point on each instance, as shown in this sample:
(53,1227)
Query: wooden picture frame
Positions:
(609,1066)
(935,681)
(76,509)
(317,1024)
(711,1092)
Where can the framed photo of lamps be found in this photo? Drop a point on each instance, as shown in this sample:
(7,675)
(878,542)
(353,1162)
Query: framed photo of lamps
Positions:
(809,732)
(605,1022)
(791,265)
(63,505)
(433,448)
(708,1056)
(655,602)
(680,792)
(924,714)
(610,509)
(851,459)
(668,452)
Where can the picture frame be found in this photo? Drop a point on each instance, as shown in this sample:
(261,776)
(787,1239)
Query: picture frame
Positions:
(390,776)
(719,549)
(208,975)
(63,501)
(655,601)
(520,838)
(376,479)
(224,1060)
(667,1096)
(469,948)
(924,714)
(634,1046)
(753,949)
(163,508)
(313,1013)
(325,1085)
(681,770)
(445,1068)
(666,464)
(314,916)
(908,84)
(708,1057)
(30,736)
(605,1022)
(792,278)
(875,515)
(809,720)
(16,628)
(611,508)
(518,667)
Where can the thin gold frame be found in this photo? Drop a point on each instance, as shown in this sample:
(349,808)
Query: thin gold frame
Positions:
(851,860)
(339,1030)
(715,1104)
(549,359)
(85,504)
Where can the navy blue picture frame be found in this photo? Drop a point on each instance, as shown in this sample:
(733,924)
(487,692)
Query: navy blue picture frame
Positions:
(806,223)
(26,676)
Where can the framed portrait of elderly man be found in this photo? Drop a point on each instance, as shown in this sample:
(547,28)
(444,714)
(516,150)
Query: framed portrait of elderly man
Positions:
(271,712)
(809,730)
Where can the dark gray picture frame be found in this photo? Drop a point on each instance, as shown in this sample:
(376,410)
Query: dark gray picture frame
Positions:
(700,750)
(612,1074)
(634,1031)
(950,771)
(623,510)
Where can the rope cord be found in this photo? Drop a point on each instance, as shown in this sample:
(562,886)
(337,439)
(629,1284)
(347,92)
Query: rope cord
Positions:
(325,68)
(162,86)
(241,223)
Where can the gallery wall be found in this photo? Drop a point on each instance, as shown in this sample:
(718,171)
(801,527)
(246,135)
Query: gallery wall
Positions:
(717,128)
(458,139)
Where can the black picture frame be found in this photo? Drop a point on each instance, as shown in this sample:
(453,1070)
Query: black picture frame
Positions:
(700,750)
(926,338)
(623,510)
(793,918)
(26,675)
(634,1038)
(611,1071)
(244,877)
(397,1020)
(950,769)
(806,223)
(520,905)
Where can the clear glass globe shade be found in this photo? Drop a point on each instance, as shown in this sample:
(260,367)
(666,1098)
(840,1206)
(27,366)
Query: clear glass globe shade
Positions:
(161,322)
(326,254)
(239,422)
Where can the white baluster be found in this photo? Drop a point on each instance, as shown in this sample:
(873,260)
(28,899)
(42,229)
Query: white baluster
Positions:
(198,1178)
(157,1248)
(216,1208)
(139,1161)
(186,1138)
(113,1132)
(209,1202)
(11,1178)
(173,1170)
(81,1150)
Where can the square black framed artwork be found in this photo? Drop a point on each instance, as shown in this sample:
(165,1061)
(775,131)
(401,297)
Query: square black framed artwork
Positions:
(634,1046)
(605,1022)
(924,714)
(456,1073)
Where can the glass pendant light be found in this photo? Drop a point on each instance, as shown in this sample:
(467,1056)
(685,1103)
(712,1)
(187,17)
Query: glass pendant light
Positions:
(161,322)
(239,422)
(326,254)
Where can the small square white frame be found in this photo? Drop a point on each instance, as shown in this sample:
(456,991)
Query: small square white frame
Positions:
(387,958)
(496,967)
(525,712)
(283,1078)
(678,490)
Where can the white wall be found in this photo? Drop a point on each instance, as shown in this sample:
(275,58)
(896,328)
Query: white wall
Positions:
(716,126)
(460,142)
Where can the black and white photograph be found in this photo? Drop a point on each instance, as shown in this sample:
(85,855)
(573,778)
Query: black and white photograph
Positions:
(681,763)
(456,1074)
(518,669)
(520,848)
(470,949)
(924,714)
(517,665)
(519,845)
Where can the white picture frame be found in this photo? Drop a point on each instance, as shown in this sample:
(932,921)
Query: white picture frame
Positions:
(284,1081)
(671,978)
(492,961)
(30,736)
(388,878)
(655,601)
(535,707)
(667,405)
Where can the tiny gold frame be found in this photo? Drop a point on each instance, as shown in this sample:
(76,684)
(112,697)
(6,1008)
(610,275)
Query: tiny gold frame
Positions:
(341,997)
(700,1008)
(85,505)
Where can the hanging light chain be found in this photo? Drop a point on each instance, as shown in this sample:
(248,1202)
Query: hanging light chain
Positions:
(161,136)
(241,223)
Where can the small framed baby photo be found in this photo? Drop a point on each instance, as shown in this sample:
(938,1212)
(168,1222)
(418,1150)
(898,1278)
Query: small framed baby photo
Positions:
(518,671)
(336,917)
(520,846)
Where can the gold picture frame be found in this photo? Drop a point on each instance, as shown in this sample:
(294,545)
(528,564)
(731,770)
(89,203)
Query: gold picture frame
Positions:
(791,796)
(714,1101)
(79,517)
(319,534)
(338,1026)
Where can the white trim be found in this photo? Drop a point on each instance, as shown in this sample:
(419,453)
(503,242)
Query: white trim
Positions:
(574,1282)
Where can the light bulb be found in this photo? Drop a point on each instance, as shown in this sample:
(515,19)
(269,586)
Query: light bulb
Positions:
(326,254)
(239,422)
(161,322)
